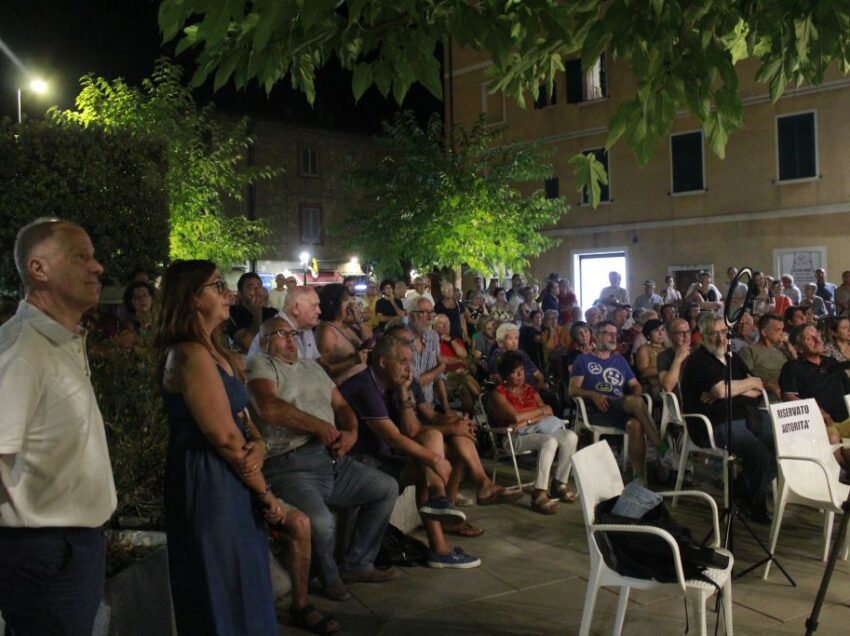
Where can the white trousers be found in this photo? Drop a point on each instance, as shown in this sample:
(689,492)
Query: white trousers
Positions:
(562,442)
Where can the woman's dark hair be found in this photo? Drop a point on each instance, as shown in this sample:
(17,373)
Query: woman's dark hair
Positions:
(788,316)
(385,282)
(510,362)
(578,324)
(832,324)
(331,299)
(534,313)
(496,291)
(176,319)
(550,285)
(127,299)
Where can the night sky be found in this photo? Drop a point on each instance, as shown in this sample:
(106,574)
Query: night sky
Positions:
(63,40)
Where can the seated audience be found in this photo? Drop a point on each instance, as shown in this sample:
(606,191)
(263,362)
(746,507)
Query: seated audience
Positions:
(531,339)
(310,429)
(278,292)
(745,333)
(703,386)
(460,383)
(428,369)
(453,309)
(781,302)
(500,310)
(342,338)
(670,295)
(838,338)
(507,339)
(646,358)
(812,301)
(474,310)
(138,303)
(420,289)
(692,313)
(671,361)
(593,316)
(581,341)
(567,301)
(526,305)
(549,297)
(248,313)
(388,307)
(765,358)
(816,375)
(763,302)
(515,403)
(391,438)
(301,309)
(633,336)
(842,296)
(790,289)
(602,378)
(483,343)
(614,294)
(825,290)
(705,293)
(648,299)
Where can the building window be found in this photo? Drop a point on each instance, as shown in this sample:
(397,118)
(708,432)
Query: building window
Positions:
(686,162)
(587,86)
(308,162)
(552,188)
(492,105)
(311,224)
(544,97)
(796,141)
(604,189)
(591,269)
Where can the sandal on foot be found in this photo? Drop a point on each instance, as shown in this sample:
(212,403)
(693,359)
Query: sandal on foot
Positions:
(501,495)
(324,623)
(543,504)
(566,494)
(463,530)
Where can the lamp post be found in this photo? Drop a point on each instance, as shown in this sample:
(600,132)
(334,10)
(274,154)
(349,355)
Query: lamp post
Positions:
(37,86)
(305,261)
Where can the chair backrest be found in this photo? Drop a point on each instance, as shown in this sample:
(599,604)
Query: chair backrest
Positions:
(670,412)
(597,476)
(799,430)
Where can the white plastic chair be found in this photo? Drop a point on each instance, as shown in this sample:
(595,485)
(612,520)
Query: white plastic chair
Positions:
(808,470)
(598,431)
(598,479)
(673,415)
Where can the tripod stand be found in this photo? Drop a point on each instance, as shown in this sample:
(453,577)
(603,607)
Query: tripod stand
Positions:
(734,310)
(837,548)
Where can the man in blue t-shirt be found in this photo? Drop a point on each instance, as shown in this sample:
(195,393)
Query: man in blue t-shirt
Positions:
(611,393)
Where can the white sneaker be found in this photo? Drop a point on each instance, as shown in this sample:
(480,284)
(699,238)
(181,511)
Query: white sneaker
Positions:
(670,460)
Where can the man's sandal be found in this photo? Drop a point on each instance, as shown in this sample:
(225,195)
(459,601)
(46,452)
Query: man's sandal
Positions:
(321,623)
(463,530)
(502,495)
(543,504)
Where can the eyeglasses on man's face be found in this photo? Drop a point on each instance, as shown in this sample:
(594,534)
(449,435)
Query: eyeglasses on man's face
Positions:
(220,286)
(286,334)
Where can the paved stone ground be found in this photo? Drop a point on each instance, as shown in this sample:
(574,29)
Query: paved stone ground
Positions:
(534,576)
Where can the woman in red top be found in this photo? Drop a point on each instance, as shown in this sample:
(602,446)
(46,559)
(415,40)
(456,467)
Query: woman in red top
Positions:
(453,353)
(517,404)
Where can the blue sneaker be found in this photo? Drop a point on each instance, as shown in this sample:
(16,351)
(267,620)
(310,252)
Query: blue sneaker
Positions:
(441,509)
(456,559)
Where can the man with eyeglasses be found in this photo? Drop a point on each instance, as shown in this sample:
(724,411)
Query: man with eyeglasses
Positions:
(671,361)
(310,429)
(428,371)
(704,391)
(391,438)
(818,376)
(301,310)
(603,379)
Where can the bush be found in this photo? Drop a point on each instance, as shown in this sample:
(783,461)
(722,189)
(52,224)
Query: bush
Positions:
(136,430)
(112,184)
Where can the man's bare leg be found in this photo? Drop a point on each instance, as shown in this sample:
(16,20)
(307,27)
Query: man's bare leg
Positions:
(462,451)
(636,407)
(297,554)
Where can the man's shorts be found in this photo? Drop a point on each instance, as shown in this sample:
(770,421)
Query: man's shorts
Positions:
(614,417)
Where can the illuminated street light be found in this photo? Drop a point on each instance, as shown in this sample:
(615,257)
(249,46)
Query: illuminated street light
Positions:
(305,261)
(36,85)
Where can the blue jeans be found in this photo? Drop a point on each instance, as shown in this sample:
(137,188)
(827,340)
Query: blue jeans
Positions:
(51,579)
(312,481)
(757,450)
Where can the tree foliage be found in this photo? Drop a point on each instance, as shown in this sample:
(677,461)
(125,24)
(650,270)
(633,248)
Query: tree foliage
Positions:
(111,183)
(205,159)
(682,52)
(428,204)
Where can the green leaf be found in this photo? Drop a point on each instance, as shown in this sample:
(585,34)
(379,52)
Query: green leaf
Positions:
(361,80)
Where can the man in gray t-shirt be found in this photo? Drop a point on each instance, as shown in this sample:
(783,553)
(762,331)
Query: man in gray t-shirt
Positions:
(310,429)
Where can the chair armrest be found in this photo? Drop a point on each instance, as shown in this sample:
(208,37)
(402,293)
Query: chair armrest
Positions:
(708,426)
(813,460)
(658,532)
(715,517)
(503,430)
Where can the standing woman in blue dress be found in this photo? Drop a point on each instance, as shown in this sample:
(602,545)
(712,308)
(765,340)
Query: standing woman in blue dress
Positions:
(217,501)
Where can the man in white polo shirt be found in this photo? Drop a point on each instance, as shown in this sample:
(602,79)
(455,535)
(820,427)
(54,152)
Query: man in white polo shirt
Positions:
(56,486)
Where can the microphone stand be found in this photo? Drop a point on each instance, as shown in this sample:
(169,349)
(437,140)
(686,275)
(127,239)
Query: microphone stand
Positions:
(731,512)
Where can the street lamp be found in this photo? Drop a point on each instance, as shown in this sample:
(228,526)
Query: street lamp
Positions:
(305,261)
(36,85)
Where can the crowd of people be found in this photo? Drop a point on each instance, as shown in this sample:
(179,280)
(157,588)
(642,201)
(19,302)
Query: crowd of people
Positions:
(288,405)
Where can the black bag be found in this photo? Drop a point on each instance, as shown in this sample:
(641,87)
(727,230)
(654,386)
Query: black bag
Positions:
(644,556)
(399,549)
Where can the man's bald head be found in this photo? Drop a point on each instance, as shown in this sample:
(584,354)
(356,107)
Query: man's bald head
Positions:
(302,305)
(40,238)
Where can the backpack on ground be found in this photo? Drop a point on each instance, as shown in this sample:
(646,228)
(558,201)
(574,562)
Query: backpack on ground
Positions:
(399,549)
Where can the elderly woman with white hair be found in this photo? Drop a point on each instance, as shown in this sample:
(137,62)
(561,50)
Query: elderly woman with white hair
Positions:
(507,339)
